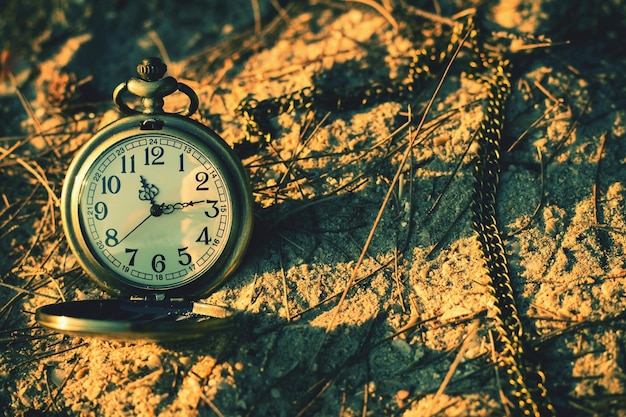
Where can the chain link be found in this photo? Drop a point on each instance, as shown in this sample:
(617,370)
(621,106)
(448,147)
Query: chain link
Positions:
(528,394)
(424,64)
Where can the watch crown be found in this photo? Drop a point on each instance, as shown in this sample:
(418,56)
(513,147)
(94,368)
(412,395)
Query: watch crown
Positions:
(151,69)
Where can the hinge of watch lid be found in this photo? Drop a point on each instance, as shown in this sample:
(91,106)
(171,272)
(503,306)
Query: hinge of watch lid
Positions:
(202,309)
(151,297)
(151,124)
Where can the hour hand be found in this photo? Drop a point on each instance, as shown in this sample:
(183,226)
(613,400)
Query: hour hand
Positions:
(148,191)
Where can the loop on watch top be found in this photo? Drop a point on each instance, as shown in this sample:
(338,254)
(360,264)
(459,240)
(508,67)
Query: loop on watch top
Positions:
(151,87)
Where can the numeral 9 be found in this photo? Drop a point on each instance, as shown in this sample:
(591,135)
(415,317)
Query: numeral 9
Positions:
(101,210)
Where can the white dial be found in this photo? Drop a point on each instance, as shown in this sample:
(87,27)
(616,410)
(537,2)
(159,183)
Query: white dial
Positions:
(156,210)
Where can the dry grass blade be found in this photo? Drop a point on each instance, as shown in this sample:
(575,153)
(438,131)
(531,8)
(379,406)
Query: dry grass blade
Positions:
(45,355)
(25,291)
(8,152)
(325,384)
(392,185)
(470,335)
(31,113)
(452,175)
(35,170)
(285,288)
(570,131)
(211,405)
(380,9)
(596,179)
(534,124)
(339,293)
(257,15)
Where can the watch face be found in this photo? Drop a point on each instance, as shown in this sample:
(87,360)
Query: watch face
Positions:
(156,209)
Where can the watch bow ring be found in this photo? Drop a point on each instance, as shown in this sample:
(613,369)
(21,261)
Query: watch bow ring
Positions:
(152,87)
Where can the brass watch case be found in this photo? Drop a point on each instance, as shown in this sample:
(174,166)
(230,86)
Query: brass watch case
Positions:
(146,312)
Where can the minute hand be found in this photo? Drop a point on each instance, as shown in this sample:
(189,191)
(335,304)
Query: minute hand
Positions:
(169,208)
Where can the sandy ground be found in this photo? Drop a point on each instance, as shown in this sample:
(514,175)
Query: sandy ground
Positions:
(414,334)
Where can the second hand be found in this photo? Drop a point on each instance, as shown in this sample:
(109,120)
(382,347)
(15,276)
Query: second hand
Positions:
(135,228)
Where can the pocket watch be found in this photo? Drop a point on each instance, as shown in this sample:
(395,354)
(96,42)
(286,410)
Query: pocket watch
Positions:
(158,211)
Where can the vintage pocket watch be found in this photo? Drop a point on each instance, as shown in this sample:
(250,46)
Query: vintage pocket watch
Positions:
(158,211)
